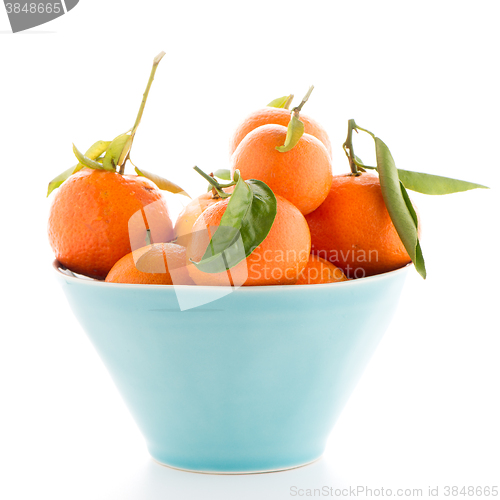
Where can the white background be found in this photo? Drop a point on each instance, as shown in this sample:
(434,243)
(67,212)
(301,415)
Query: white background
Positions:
(422,75)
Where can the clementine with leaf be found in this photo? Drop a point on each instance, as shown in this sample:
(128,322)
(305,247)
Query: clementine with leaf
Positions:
(89,219)
(277,116)
(302,175)
(278,260)
(353,229)
(93,219)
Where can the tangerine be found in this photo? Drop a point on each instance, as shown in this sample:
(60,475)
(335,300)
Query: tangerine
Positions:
(353,229)
(156,264)
(302,175)
(187,217)
(89,228)
(278,260)
(277,116)
(319,271)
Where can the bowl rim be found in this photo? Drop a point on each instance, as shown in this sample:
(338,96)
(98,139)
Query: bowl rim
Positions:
(65,273)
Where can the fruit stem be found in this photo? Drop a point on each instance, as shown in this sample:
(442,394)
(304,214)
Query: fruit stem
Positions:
(217,186)
(156,61)
(298,108)
(354,162)
(348,148)
(126,150)
(215,193)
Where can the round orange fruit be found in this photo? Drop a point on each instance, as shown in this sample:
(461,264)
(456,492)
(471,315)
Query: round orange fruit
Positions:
(278,260)
(90,220)
(302,175)
(277,116)
(187,217)
(156,264)
(353,230)
(320,271)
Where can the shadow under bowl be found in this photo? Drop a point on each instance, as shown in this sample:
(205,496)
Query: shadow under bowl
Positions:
(251,382)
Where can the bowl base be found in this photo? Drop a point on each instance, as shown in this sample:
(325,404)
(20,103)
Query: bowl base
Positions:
(233,473)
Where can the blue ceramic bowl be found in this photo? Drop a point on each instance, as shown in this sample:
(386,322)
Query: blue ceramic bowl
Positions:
(253,381)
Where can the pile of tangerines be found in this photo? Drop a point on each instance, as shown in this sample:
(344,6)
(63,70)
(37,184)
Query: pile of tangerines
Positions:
(276,216)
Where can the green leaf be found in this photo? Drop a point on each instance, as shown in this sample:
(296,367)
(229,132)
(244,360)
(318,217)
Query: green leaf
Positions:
(434,184)
(401,216)
(87,162)
(238,207)
(162,183)
(114,152)
(245,224)
(419,258)
(293,134)
(223,173)
(281,102)
(96,150)
(57,181)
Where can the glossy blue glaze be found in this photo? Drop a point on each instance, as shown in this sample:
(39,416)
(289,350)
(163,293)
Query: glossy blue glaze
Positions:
(251,382)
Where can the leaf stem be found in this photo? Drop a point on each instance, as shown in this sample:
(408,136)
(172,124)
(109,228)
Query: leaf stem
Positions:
(364,130)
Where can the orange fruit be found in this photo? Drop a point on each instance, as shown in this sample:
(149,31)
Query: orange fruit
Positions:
(89,227)
(187,217)
(277,116)
(278,260)
(302,175)
(353,230)
(319,271)
(156,264)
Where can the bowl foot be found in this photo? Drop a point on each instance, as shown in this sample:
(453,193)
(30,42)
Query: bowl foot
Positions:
(222,473)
